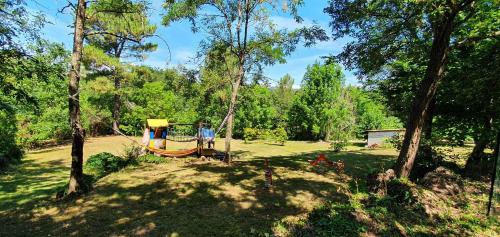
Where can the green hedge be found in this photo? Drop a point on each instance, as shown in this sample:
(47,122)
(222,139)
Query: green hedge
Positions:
(278,135)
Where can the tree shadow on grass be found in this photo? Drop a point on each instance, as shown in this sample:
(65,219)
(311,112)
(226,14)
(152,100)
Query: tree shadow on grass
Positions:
(211,200)
(161,209)
(357,164)
(31,183)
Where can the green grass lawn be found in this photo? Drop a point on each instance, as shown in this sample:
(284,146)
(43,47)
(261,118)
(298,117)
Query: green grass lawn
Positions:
(184,197)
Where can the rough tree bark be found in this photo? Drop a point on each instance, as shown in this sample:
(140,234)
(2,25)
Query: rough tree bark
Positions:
(497,147)
(116,106)
(229,126)
(244,13)
(76,175)
(116,98)
(427,148)
(480,143)
(428,86)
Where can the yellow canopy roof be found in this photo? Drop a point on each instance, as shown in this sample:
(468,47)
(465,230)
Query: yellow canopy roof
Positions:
(157,123)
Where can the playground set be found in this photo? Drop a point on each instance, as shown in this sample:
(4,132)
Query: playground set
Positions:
(158,131)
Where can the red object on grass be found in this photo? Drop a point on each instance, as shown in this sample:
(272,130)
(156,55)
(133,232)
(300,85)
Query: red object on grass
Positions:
(321,159)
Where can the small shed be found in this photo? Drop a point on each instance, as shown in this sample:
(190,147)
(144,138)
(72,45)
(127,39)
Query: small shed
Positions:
(379,136)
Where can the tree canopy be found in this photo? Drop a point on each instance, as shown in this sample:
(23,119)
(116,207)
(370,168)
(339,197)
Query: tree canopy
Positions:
(241,35)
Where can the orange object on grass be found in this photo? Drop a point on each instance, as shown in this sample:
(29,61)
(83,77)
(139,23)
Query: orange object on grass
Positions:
(321,159)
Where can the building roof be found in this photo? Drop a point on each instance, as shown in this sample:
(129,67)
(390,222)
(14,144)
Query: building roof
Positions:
(387,130)
(157,123)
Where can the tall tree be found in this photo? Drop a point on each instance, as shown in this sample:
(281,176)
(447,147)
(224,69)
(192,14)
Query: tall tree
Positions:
(284,96)
(112,7)
(256,109)
(120,29)
(76,176)
(244,34)
(18,25)
(387,30)
(319,106)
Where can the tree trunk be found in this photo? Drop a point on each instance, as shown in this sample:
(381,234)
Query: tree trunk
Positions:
(481,142)
(497,147)
(76,175)
(118,85)
(428,120)
(424,96)
(495,181)
(229,126)
(427,147)
(116,105)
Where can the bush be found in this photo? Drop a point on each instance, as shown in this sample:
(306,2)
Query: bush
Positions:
(396,141)
(338,146)
(104,163)
(278,135)
(132,152)
(10,152)
(250,134)
(100,165)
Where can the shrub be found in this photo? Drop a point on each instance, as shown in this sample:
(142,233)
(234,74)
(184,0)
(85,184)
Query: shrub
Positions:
(396,141)
(100,165)
(10,152)
(338,146)
(250,134)
(132,152)
(278,135)
(104,163)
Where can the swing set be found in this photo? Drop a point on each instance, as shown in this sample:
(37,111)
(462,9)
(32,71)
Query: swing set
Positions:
(158,131)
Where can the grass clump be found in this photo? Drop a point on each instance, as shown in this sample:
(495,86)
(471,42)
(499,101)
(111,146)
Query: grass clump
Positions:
(402,191)
(150,158)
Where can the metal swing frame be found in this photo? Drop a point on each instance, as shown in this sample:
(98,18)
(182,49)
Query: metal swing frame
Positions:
(200,149)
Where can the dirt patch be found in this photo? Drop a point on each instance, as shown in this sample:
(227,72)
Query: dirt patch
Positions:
(377,182)
(443,181)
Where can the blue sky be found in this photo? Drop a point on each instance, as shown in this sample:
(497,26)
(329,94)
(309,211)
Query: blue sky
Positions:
(183,43)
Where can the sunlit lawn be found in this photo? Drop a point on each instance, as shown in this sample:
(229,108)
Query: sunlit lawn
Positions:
(184,197)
